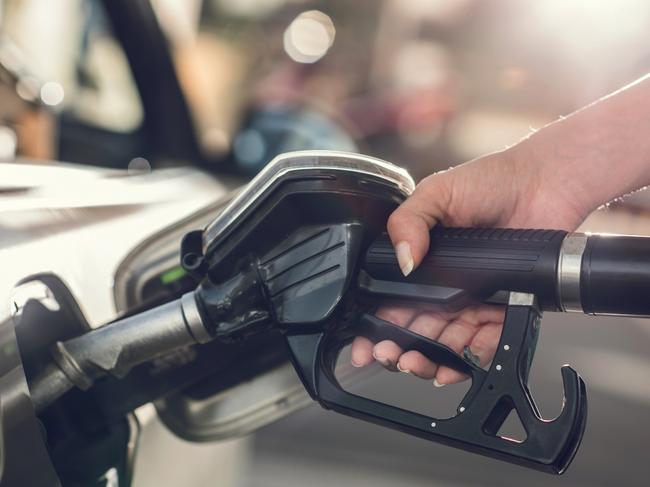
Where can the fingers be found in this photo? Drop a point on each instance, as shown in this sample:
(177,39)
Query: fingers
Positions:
(431,326)
(361,352)
(387,353)
(483,344)
(480,329)
(409,225)
(456,335)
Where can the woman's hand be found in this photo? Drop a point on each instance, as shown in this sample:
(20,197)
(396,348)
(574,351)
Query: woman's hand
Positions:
(552,179)
(494,190)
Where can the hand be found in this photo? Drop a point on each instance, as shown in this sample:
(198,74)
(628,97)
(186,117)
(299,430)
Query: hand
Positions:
(552,179)
(503,189)
(476,326)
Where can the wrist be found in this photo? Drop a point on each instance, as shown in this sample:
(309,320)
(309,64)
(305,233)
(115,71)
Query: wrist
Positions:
(551,181)
(562,168)
(598,153)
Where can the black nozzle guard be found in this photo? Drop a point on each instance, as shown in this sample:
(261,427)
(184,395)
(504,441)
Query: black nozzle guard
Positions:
(549,445)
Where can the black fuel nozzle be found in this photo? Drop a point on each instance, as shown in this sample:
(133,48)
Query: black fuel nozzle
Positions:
(318,285)
(313,225)
(550,445)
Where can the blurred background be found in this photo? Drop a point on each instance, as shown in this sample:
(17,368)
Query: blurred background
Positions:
(223,83)
(221,86)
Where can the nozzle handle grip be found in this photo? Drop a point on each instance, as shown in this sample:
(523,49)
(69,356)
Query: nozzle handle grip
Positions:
(481,261)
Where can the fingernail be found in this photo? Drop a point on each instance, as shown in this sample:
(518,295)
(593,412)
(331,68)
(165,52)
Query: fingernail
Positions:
(355,364)
(404,257)
(406,371)
(379,359)
(436,383)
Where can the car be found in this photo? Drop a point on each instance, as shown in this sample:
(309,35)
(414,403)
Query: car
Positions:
(133,151)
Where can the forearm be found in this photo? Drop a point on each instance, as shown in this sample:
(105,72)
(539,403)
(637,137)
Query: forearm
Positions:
(599,152)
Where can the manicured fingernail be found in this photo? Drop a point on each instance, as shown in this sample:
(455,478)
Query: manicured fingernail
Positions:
(406,371)
(355,364)
(404,257)
(436,383)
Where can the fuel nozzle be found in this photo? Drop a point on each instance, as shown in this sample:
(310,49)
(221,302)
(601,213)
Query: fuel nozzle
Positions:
(115,348)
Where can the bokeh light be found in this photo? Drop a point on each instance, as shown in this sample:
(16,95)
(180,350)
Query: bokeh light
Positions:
(52,93)
(309,36)
(138,165)
(249,147)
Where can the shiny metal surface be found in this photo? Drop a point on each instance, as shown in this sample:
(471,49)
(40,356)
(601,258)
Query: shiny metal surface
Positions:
(568,272)
(304,161)
(521,299)
(192,318)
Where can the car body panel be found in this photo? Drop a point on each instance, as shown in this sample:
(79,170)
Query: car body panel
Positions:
(79,223)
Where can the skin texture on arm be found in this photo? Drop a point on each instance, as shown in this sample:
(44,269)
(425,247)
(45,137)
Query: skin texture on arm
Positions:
(553,179)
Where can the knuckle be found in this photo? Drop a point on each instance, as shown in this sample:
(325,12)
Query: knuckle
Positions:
(428,181)
(423,327)
(395,221)
(392,317)
(397,317)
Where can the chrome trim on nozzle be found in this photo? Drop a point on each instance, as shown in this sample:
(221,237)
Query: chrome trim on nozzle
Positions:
(568,272)
(304,161)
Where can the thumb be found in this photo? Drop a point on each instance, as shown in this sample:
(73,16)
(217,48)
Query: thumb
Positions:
(409,225)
